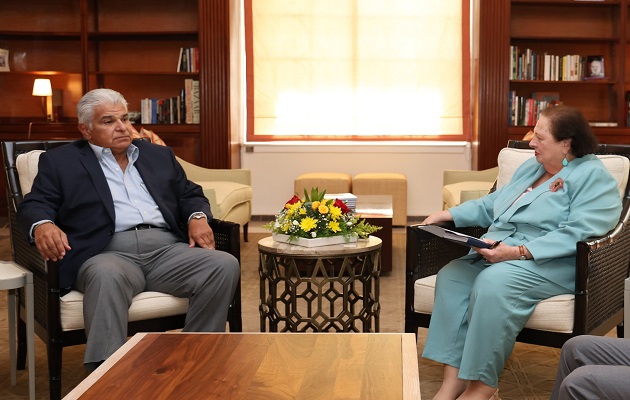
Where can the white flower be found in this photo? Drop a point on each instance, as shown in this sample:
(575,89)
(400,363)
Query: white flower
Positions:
(349,223)
(313,234)
(276,225)
(295,222)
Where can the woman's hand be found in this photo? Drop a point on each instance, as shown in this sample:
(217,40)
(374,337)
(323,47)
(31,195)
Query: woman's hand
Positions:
(439,216)
(500,252)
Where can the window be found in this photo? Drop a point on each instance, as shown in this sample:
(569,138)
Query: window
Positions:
(357,69)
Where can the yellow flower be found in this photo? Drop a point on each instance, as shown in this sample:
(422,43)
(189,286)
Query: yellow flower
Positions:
(335,213)
(323,209)
(308,223)
(302,211)
(315,205)
(292,208)
(334,226)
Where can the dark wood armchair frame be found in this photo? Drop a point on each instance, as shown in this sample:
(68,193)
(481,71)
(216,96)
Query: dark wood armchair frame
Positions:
(46,278)
(601,268)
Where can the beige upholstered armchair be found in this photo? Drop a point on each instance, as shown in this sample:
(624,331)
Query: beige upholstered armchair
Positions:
(595,308)
(460,185)
(228,190)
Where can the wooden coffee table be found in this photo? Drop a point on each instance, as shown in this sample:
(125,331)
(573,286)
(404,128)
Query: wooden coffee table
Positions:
(258,366)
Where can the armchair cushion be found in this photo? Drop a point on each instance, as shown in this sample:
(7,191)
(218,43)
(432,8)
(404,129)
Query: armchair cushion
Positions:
(460,185)
(457,193)
(26,165)
(229,191)
(145,305)
(554,314)
(225,197)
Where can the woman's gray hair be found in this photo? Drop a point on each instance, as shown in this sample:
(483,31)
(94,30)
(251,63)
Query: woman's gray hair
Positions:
(95,98)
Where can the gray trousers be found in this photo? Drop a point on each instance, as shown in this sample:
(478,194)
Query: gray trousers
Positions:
(152,260)
(593,367)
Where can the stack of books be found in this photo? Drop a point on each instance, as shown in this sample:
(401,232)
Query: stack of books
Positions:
(348,198)
(182,109)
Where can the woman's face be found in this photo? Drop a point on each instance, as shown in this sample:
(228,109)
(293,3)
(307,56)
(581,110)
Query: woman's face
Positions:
(548,151)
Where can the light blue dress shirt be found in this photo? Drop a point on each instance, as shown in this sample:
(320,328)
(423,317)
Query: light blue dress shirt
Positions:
(133,204)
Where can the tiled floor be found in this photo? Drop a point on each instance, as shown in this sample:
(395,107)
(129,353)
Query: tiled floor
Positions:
(529,373)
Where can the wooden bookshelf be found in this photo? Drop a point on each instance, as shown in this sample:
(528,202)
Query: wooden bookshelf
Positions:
(557,27)
(129,46)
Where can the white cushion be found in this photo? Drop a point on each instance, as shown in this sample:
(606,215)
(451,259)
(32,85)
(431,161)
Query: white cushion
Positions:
(146,305)
(618,166)
(554,314)
(510,159)
(26,165)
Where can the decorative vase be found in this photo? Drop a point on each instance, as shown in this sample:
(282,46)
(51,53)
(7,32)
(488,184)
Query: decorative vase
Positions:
(316,242)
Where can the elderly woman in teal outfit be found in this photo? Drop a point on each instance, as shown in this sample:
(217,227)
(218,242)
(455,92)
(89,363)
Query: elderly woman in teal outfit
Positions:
(562,195)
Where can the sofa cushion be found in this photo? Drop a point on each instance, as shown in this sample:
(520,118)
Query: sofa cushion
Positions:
(554,314)
(145,305)
(227,194)
(452,193)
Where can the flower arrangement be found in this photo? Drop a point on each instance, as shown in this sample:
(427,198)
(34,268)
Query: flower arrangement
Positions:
(316,217)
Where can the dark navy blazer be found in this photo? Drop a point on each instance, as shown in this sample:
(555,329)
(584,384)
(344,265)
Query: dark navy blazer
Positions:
(71,190)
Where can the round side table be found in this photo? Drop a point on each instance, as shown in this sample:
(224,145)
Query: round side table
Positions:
(320,289)
(13,277)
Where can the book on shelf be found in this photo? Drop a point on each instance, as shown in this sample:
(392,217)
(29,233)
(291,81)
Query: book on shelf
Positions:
(188,60)
(453,236)
(196,109)
(188,98)
(178,109)
(4,60)
(527,64)
(526,111)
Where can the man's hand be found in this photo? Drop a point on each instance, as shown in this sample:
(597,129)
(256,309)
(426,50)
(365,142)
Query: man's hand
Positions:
(200,233)
(51,241)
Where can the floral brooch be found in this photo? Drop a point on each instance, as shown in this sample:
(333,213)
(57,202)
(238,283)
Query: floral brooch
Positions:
(556,185)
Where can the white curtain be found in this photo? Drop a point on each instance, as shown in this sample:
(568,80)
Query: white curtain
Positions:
(368,68)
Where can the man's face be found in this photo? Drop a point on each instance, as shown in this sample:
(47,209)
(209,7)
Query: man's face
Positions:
(110,128)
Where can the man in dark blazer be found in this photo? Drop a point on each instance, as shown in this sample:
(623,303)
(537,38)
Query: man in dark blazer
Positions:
(121,218)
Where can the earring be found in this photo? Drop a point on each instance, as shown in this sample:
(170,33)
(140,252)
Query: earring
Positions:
(565,162)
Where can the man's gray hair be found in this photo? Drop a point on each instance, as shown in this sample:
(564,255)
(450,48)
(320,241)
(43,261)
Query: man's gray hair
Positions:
(95,98)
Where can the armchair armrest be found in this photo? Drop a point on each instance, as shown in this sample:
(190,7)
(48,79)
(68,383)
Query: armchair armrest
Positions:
(601,269)
(427,253)
(198,174)
(455,176)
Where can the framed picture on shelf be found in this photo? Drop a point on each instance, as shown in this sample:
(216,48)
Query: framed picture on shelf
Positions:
(595,67)
(4,60)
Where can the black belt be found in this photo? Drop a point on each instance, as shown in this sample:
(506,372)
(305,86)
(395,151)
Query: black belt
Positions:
(142,227)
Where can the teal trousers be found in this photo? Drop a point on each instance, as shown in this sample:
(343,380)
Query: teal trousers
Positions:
(478,312)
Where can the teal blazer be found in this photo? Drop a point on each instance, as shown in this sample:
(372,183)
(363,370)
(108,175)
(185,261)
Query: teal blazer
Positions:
(548,223)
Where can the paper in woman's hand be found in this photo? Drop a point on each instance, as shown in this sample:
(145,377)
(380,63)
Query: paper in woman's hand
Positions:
(453,236)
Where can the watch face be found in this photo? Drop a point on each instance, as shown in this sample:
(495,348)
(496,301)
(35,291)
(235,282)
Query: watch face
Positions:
(198,216)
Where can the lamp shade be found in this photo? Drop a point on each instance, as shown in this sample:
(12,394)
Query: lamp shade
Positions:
(42,87)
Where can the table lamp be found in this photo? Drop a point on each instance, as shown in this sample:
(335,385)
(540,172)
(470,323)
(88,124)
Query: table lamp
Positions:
(43,88)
